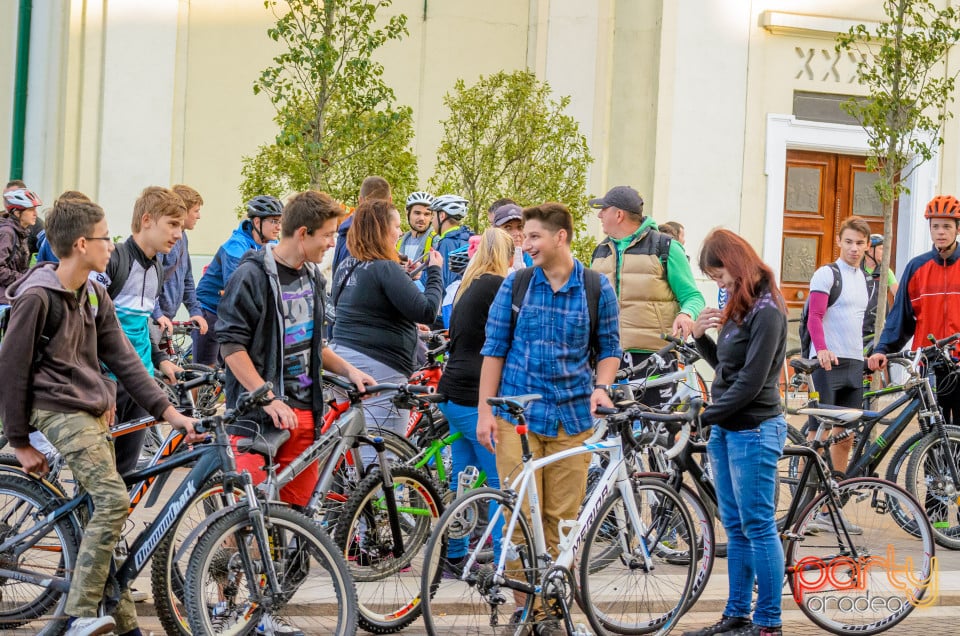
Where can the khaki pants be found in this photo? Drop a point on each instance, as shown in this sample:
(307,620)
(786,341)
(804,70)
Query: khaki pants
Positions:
(86,445)
(561,485)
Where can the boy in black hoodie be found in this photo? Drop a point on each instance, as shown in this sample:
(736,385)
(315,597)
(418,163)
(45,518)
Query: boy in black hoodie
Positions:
(64,395)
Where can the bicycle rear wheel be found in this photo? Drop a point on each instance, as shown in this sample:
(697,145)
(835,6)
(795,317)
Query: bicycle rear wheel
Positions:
(22,503)
(388,579)
(227,592)
(458,590)
(645,588)
(861,572)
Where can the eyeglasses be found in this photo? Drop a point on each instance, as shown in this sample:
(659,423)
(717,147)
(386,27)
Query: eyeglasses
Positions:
(98,238)
(272,219)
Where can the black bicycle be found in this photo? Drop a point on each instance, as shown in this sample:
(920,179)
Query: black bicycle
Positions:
(256,557)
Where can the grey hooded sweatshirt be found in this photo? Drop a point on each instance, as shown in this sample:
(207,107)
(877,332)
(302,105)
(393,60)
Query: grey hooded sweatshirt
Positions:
(67,377)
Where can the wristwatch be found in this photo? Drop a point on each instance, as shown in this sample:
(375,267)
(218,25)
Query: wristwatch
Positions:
(602,387)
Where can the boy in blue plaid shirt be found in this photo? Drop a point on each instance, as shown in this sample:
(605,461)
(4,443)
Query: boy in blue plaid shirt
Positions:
(549,353)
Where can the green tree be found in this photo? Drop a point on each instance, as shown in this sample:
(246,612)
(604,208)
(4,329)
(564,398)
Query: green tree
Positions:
(903,65)
(337,118)
(506,137)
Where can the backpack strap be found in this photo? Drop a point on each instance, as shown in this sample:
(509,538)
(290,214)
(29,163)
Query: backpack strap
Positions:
(663,250)
(521,283)
(118,270)
(837,287)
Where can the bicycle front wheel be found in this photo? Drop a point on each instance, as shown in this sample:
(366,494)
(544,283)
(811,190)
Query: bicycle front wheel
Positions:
(459,589)
(54,553)
(858,570)
(384,552)
(227,590)
(933,463)
(647,587)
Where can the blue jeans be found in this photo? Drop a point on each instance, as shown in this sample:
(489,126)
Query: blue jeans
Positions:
(744,467)
(467,451)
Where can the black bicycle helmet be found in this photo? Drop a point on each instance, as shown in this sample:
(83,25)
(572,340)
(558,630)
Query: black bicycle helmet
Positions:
(876,239)
(263,206)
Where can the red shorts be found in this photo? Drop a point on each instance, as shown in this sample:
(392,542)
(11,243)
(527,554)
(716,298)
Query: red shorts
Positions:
(298,491)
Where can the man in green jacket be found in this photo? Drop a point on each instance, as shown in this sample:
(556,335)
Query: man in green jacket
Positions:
(650,273)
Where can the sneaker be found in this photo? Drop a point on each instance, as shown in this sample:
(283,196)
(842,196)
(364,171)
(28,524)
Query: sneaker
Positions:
(822,523)
(90,626)
(273,625)
(755,630)
(723,626)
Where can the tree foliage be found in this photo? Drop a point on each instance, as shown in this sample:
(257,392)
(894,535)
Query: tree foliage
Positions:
(337,118)
(507,137)
(902,63)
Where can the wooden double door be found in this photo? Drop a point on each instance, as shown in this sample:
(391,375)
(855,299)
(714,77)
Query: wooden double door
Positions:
(822,190)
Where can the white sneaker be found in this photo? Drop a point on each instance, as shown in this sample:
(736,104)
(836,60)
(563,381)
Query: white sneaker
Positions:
(822,523)
(271,625)
(91,626)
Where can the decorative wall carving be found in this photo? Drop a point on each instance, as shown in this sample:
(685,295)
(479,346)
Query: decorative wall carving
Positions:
(828,65)
(799,259)
(803,189)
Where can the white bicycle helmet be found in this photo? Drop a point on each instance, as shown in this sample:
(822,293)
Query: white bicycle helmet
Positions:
(452,204)
(20,199)
(421,198)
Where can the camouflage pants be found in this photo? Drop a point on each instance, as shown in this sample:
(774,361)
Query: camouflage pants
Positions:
(86,445)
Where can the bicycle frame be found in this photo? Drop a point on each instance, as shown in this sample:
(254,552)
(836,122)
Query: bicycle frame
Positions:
(434,453)
(615,475)
(209,460)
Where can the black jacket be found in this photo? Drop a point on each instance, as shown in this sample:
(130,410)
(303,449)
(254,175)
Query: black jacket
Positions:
(250,318)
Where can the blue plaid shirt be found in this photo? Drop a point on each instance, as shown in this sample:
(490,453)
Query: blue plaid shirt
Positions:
(550,348)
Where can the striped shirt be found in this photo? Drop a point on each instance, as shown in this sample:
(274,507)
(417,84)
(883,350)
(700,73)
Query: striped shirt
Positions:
(549,351)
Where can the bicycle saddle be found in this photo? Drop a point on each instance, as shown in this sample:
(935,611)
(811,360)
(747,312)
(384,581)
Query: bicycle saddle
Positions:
(838,415)
(514,402)
(804,365)
(265,443)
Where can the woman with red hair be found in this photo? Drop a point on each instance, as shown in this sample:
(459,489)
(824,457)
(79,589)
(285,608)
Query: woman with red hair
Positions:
(748,428)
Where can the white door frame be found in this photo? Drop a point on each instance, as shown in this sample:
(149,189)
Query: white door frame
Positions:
(786,132)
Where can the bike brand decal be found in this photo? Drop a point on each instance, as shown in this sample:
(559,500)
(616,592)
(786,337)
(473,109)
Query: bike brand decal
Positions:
(164,524)
(593,514)
(843,574)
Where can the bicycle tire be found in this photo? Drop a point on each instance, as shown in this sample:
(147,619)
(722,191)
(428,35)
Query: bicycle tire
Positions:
(829,586)
(622,587)
(388,588)
(300,551)
(22,502)
(460,601)
(167,576)
(928,479)
(346,478)
(53,478)
(209,395)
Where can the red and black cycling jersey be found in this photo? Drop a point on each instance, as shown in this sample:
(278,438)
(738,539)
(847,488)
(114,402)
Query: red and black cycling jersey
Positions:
(928,302)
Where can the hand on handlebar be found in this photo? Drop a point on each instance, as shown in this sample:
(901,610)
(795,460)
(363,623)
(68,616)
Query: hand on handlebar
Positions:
(599,398)
(877,361)
(166,325)
(360,379)
(201,324)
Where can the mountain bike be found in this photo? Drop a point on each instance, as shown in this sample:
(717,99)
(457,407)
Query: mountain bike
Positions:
(272,550)
(933,471)
(638,589)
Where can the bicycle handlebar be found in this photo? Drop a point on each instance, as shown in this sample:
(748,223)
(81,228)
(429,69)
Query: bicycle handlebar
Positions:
(658,358)
(351,389)
(245,403)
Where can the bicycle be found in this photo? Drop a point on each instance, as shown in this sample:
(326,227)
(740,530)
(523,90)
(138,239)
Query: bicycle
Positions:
(941,473)
(274,548)
(465,595)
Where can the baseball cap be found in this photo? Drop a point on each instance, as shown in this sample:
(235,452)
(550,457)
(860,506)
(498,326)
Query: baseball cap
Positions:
(623,197)
(506,213)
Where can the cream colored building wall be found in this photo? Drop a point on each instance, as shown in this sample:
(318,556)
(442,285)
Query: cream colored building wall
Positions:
(8,62)
(674,96)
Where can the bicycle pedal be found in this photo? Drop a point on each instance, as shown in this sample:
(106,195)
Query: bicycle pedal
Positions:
(581,630)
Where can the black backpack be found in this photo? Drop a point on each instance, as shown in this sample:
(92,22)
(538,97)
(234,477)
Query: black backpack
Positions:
(591,281)
(50,326)
(122,271)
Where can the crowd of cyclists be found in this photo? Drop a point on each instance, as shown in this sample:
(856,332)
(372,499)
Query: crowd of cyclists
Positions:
(523,317)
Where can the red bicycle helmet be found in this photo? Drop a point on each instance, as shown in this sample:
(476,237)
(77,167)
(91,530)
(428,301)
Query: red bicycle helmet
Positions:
(943,206)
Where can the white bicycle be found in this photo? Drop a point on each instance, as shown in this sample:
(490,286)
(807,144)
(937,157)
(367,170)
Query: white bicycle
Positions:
(623,545)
